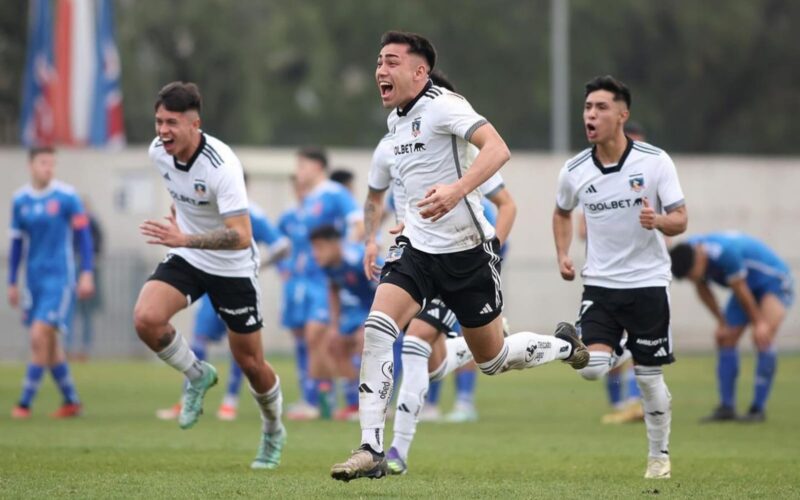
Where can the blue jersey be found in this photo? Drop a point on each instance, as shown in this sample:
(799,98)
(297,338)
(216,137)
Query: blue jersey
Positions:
(735,255)
(489,211)
(355,289)
(290,225)
(45,221)
(263,231)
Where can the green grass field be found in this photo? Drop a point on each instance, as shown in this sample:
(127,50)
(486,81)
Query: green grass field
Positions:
(539,436)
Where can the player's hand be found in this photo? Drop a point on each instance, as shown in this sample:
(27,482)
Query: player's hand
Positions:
(160,233)
(371,269)
(439,200)
(762,335)
(566,268)
(85,287)
(13,296)
(648,216)
(398,229)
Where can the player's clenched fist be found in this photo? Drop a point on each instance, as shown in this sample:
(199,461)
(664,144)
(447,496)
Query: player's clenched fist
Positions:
(566,268)
(648,216)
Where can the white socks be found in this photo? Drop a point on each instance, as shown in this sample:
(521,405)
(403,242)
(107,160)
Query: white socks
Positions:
(657,409)
(526,350)
(377,366)
(271,406)
(178,355)
(599,365)
(458,355)
(413,390)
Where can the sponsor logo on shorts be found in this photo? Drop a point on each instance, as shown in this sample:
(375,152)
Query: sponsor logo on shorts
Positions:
(237,312)
(651,342)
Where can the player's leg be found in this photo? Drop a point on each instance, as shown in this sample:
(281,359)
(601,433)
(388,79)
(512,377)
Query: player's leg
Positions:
(773,309)
(464,406)
(59,368)
(348,346)
(727,340)
(293,319)
(318,336)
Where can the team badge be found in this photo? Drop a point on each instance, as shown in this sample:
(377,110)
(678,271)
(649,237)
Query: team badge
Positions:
(200,187)
(415,126)
(637,182)
(52,207)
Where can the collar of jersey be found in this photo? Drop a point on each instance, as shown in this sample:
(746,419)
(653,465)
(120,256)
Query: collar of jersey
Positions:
(185,168)
(620,163)
(41,193)
(404,112)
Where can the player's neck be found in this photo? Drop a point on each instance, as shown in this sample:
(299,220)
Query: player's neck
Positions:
(186,155)
(40,185)
(419,89)
(611,151)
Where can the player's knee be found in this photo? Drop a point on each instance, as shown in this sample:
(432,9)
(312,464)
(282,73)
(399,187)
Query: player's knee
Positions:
(593,372)
(250,365)
(380,331)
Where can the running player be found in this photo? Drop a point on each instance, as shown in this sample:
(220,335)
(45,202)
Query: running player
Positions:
(630,194)
(762,290)
(45,217)
(211,251)
(447,248)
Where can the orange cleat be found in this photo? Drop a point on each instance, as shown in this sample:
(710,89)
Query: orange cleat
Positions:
(348,413)
(226,412)
(170,413)
(21,413)
(67,410)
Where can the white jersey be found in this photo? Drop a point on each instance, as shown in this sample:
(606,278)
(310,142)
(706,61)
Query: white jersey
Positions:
(620,253)
(429,142)
(208,189)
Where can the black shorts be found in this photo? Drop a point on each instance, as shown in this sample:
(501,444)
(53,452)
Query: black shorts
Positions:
(439,316)
(467,281)
(235,299)
(642,312)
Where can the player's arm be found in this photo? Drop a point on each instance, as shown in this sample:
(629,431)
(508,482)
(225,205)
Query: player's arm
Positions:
(277,252)
(562,235)
(746,298)
(236,235)
(506,213)
(14,261)
(373,212)
(494,153)
(708,300)
(83,235)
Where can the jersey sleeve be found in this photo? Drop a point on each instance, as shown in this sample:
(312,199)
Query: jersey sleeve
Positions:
(670,193)
(492,185)
(231,192)
(264,231)
(348,207)
(380,169)
(76,213)
(16,228)
(731,263)
(454,115)
(567,195)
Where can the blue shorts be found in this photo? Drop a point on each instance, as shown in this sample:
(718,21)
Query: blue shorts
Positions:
(351,319)
(304,300)
(207,323)
(51,303)
(735,315)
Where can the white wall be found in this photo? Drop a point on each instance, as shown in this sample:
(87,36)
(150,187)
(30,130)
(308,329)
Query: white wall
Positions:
(754,195)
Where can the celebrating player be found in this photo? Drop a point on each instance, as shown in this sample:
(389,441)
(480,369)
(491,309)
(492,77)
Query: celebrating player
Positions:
(630,194)
(45,216)
(762,290)
(447,248)
(211,252)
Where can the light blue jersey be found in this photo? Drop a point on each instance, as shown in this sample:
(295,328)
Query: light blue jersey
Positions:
(356,291)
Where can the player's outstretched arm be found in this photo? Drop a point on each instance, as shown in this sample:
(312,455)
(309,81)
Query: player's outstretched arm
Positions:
(373,212)
(506,213)
(236,235)
(562,234)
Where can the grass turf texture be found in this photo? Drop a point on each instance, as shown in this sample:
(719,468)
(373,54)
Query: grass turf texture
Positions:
(539,435)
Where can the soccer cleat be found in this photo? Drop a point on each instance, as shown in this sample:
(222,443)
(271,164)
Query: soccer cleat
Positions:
(170,413)
(67,410)
(396,465)
(462,413)
(658,468)
(362,463)
(632,412)
(269,451)
(347,414)
(302,411)
(193,397)
(20,413)
(430,413)
(720,414)
(227,412)
(579,357)
(753,416)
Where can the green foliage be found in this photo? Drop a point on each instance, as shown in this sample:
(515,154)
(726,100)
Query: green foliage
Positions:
(539,436)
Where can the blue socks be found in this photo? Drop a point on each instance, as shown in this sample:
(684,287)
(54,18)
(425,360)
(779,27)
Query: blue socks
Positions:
(235,380)
(30,384)
(434,390)
(308,386)
(465,386)
(61,375)
(633,387)
(614,388)
(727,371)
(765,373)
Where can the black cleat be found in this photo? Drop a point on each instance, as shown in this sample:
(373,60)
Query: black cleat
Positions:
(720,414)
(754,416)
(580,355)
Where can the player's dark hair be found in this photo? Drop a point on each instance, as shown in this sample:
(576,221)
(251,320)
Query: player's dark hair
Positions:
(179,97)
(417,44)
(440,80)
(40,150)
(634,128)
(314,153)
(682,256)
(326,232)
(611,84)
(343,176)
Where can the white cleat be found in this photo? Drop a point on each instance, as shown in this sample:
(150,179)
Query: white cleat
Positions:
(658,468)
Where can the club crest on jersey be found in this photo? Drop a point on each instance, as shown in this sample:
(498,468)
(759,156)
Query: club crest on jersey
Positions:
(415,127)
(52,207)
(637,182)
(200,187)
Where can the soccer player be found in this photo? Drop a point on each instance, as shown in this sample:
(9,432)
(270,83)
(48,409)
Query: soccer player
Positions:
(209,327)
(630,194)
(45,217)
(447,248)
(762,290)
(211,252)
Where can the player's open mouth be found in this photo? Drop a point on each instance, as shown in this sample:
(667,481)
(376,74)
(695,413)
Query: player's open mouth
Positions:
(591,130)
(386,89)
(167,142)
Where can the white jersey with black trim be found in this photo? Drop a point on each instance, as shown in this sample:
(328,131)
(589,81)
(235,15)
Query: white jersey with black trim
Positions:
(429,142)
(206,190)
(620,253)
